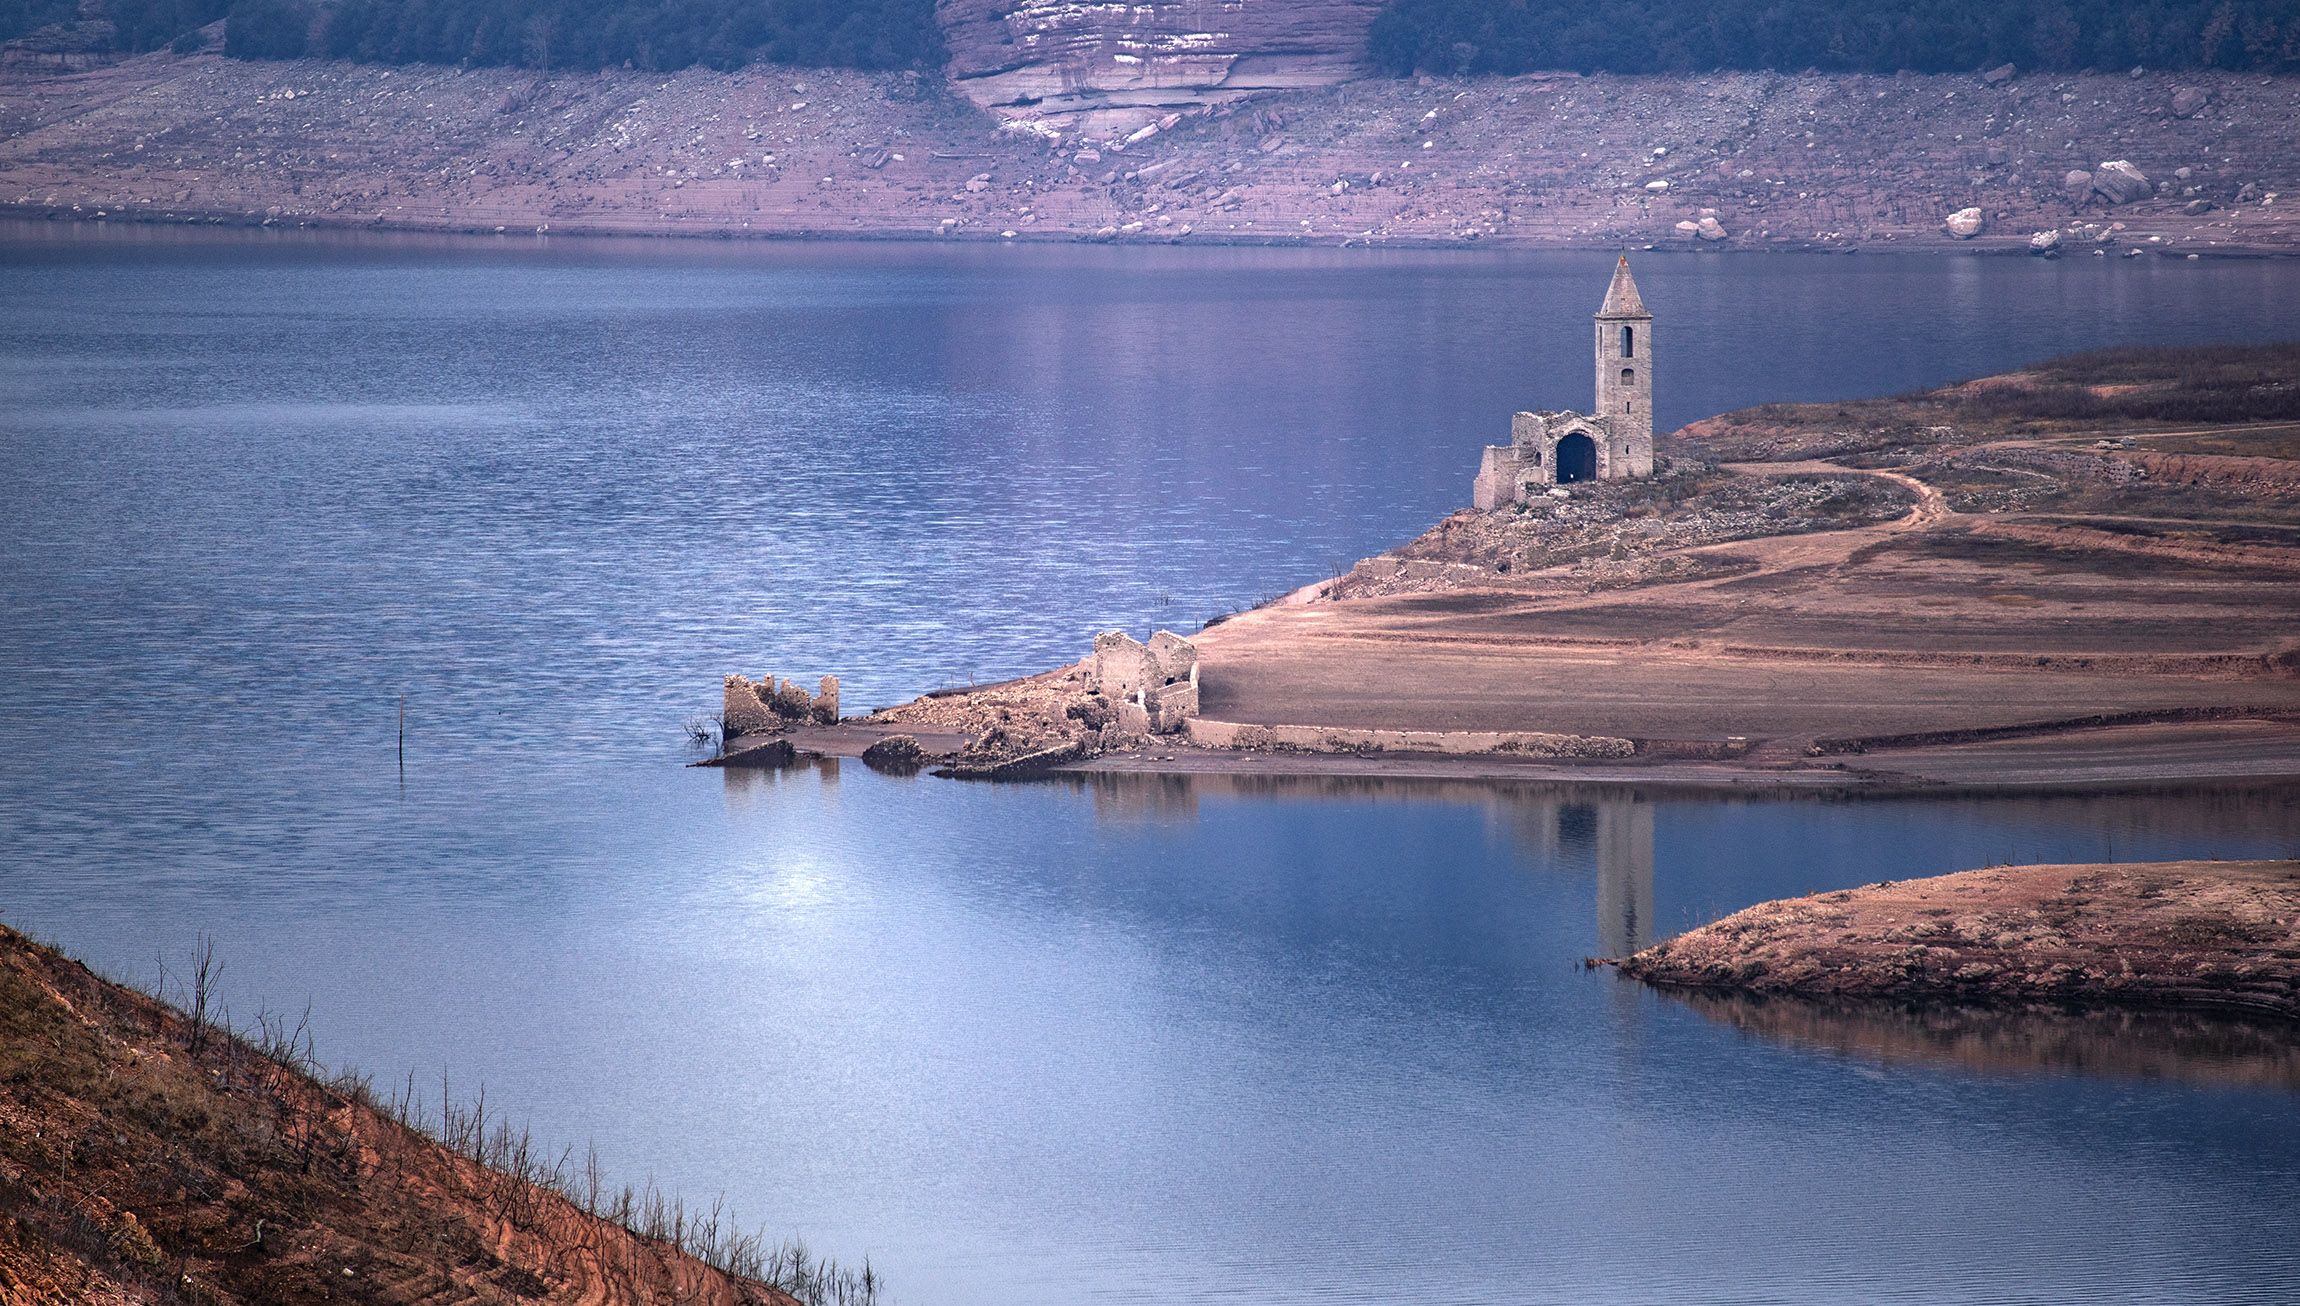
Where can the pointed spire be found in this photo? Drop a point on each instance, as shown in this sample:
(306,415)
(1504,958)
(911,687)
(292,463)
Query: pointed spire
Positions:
(1621,298)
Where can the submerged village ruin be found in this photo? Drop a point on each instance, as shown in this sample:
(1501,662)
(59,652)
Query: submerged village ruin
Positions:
(2081,576)
(2086,572)
(1145,689)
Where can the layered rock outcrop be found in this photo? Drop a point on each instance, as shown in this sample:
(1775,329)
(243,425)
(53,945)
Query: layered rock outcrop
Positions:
(1111,69)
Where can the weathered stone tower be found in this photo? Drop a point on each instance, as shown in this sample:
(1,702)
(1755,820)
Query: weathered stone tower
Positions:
(1625,357)
(1548,449)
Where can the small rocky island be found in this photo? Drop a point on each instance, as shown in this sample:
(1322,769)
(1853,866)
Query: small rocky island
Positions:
(2218,937)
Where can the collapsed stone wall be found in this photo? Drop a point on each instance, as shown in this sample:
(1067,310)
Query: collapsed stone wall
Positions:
(762,706)
(1153,686)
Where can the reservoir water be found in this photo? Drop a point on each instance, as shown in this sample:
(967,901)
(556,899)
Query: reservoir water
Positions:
(1131,1040)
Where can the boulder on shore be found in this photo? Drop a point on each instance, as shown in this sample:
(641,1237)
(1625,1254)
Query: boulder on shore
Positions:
(2119,182)
(896,753)
(774,754)
(1964,224)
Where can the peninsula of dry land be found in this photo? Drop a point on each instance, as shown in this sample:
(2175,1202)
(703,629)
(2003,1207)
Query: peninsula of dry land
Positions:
(2203,936)
(148,1157)
(2087,573)
(2204,160)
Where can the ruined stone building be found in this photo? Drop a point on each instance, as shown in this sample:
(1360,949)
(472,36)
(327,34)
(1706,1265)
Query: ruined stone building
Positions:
(1616,441)
(1154,685)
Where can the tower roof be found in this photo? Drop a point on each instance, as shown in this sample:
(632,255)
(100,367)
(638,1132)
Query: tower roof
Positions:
(1621,298)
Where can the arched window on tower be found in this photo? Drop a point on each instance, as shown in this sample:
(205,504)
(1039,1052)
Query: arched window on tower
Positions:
(1628,376)
(1629,342)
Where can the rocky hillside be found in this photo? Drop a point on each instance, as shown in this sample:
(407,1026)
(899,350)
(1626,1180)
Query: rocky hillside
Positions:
(146,1158)
(2105,164)
(1116,68)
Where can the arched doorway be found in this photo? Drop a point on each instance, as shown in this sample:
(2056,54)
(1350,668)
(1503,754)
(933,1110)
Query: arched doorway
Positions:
(1576,459)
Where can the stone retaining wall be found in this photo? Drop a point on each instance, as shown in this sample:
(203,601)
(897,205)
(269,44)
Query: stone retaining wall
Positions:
(1332,739)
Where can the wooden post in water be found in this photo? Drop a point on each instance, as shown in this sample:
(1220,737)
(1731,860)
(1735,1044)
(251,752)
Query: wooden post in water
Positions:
(403,734)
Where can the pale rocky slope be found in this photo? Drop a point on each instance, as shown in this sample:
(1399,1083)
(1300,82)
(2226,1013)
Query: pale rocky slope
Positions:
(1830,161)
(1115,68)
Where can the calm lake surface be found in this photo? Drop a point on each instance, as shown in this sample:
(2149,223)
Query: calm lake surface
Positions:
(1129,1040)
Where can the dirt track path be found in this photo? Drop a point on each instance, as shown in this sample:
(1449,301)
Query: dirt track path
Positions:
(1932,506)
(1813,551)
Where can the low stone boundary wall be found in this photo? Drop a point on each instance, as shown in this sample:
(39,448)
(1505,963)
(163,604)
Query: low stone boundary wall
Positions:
(1827,747)
(1337,739)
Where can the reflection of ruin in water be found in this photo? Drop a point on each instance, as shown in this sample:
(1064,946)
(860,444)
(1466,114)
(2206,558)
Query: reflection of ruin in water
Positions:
(743,786)
(1609,830)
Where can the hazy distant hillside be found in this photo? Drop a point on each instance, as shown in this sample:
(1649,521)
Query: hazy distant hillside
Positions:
(1665,36)
(648,34)
(1407,36)
(665,34)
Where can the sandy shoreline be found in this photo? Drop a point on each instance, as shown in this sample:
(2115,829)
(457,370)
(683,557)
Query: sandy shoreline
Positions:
(2113,759)
(81,216)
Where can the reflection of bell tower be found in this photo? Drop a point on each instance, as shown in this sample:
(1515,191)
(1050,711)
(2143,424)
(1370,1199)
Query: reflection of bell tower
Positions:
(1624,876)
(1123,799)
(1614,836)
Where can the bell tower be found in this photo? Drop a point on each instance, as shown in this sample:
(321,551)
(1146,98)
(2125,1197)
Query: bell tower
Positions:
(1625,358)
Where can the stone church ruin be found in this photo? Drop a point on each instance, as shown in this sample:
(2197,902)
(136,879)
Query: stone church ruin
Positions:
(1548,449)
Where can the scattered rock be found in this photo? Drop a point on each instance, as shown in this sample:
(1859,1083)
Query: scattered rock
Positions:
(774,753)
(1708,228)
(1015,768)
(1964,224)
(2044,242)
(2077,184)
(2188,101)
(2118,182)
(898,754)
(2003,72)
